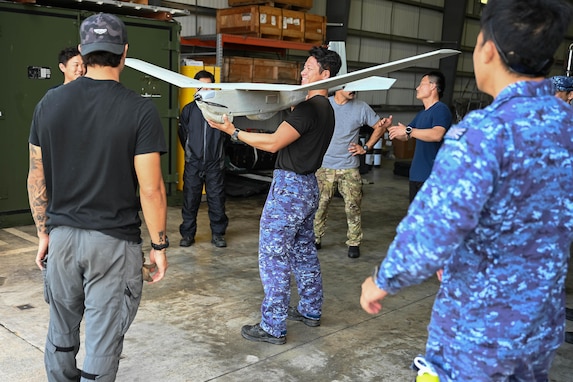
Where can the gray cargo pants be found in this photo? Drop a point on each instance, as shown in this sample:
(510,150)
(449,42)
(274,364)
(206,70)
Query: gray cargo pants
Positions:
(96,276)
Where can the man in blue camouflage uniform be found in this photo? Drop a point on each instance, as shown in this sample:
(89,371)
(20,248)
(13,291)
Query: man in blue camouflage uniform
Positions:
(496,212)
(563,86)
(286,239)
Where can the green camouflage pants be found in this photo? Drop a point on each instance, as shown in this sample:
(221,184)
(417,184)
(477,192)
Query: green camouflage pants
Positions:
(349,184)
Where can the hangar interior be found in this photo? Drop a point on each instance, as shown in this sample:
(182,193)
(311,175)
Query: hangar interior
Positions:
(188,326)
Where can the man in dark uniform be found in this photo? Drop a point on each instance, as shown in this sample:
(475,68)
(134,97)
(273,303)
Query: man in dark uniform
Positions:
(204,166)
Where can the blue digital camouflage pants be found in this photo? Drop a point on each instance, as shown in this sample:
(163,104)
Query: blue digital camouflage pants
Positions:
(286,245)
(486,363)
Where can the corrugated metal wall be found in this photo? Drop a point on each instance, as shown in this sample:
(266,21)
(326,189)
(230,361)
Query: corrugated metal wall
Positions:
(387,20)
(383,30)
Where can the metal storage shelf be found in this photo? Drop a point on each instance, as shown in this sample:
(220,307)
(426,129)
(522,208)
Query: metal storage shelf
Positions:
(221,40)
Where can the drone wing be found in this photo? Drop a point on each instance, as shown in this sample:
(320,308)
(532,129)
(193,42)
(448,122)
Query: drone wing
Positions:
(182,81)
(379,69)
(369,83)
(364,79)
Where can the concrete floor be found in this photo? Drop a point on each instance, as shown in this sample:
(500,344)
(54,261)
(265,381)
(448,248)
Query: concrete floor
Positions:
(188,325)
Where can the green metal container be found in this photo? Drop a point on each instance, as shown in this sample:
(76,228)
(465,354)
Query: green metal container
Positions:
(31,36)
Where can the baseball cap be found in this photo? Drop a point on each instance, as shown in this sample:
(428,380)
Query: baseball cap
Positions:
(102,32)
(562,83)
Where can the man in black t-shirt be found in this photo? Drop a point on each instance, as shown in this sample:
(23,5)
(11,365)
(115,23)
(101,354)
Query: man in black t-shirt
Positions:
(286,241)
(85,170)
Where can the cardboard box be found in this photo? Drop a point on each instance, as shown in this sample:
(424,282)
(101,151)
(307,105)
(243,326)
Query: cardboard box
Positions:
(255,20)
(314,29)
(404,149)
(293,25)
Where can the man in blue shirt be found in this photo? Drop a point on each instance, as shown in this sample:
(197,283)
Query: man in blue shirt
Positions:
(496,211)
(428,127)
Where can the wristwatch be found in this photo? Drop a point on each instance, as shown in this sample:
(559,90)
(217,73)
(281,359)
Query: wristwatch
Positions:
(235,135)
(160,247)
(365,147)
(408,131)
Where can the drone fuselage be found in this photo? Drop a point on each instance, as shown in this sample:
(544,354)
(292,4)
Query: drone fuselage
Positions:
(254,104)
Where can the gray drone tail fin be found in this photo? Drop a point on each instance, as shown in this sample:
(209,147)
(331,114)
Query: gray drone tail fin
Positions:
(340,48)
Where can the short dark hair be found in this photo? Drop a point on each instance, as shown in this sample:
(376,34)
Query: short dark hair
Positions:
(102,58)
(204,74)
(437,78)
(67,53)
(526,33)
(327,59)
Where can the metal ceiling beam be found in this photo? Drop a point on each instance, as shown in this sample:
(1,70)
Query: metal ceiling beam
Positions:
(452,30)
(337,19)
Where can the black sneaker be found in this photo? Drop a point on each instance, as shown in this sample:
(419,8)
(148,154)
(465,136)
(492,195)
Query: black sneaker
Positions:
(256,333)
(569,314)
(318,245)
(219,241)
(294,314)
(354,251)
(186,241)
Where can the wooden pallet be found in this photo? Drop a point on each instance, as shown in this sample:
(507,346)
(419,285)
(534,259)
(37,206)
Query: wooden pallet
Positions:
(296,5)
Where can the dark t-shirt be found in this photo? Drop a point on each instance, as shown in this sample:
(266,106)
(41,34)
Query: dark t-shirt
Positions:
(425,153)
(314,121)
(89,132)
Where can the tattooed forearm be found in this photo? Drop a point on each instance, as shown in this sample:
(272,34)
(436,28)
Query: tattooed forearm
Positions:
(37,194)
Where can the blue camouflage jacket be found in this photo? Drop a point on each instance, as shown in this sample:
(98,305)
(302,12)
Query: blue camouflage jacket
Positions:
(497,214)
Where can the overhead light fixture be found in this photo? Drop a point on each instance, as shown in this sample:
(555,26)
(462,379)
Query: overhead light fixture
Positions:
(483,1)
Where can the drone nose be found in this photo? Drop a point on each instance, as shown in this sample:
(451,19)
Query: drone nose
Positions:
(205,94)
